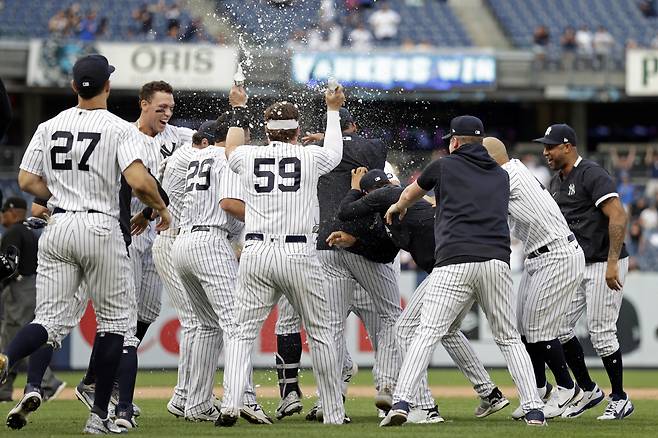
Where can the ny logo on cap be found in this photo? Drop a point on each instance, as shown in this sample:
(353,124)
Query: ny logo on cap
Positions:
(566,140)
(477,131)
(548,131)
(85,84)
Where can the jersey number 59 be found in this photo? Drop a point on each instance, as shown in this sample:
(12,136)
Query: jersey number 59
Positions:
(290,172)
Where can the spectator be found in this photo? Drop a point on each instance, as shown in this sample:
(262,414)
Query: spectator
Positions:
(648,260)
(103,31)
(584,41)
(88,27)
(144,19)
(408,45)
(649,217)
(651,162)
(625,189)
(360,38)
(58,23)
(172,14)
(327,36)
(568,44)
(621,164)
(638,207)
(634,238)
(648,8)
(193,31)
(385,22)
(297,42)
(173,33)
(540,38)
(604,44)
(73,17)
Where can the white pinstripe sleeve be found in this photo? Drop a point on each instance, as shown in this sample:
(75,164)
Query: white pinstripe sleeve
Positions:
(236,160)
(230,185)
(185,134)
(514,183)
(329,156)
(33,158)
(130,148)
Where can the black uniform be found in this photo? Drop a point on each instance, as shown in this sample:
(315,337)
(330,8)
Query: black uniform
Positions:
(470,226)
(25,240)
(579,196)
(373,243)
(415,233)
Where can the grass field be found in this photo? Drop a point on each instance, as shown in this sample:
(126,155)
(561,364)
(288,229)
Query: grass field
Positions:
(66,417)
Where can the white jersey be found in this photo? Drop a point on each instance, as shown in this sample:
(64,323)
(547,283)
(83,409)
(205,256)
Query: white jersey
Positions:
(81,154)
(208,181)
(159,147)
(173,180)
(280,181)
(535,218)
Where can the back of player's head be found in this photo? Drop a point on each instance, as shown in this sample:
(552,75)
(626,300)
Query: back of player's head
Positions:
(207,130)
(373,180)
(346,119)
(282,121)
(150,88)
(90,74)
(222,125)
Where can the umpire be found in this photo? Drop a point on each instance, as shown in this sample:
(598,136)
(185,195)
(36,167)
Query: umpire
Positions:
(19,297)
(588,200)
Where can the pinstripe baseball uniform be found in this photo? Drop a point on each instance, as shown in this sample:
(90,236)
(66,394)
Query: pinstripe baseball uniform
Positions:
(471,263)
(173,182)
(206,264)
(81,153)
(280,182)
(554,262)
(147,282)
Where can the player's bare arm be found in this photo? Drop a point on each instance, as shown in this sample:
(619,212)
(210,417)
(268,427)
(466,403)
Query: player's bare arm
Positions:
(146,189)
(236,136)
(411,194)
(341,239)
(33,184)
(617,219)
(357,174)
(234,207)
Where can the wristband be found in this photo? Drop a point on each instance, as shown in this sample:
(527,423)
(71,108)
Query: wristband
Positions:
(147,213)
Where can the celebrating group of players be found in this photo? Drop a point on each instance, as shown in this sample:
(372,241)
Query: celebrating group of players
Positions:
(320,223)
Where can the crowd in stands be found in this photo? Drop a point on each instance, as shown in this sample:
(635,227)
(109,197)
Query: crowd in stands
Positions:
(581,48)
(155,21)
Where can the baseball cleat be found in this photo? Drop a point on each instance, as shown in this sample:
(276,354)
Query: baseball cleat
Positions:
(227,417)
(544,394)
(254,414)
(560,400)
(315,414)
(491,404)
(211,414)
(425,416)
(535,417)
(384,399)
(617,409)
(397,416)
(289,405)
(589,400)
(136,410)
(4,367)
(125,419)
(17,418)
(175,410)
(85,393)
(53,393)
(100,426)
(381,413)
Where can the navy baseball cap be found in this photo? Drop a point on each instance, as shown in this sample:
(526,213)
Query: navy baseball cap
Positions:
(345,118)
(208,130)
(91,71)
(558,134)
(14,202)
(375,178)
(465,125)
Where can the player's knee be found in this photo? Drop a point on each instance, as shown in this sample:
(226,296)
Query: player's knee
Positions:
(604,343)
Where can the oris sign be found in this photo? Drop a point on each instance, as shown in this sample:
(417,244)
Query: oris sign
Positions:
(185,66)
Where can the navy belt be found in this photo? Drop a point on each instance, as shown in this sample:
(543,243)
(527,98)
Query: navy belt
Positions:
(544,249)
(288,239)
(58,210)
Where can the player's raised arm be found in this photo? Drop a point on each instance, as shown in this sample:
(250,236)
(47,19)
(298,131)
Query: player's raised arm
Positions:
(333,136)
(235,137)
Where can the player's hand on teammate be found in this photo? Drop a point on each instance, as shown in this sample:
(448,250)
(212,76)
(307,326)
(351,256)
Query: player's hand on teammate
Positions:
(335,99)
(357,174)
(341,239)
(138,224)
(392,211)
(312,138)
(165,220)
(612,276)
(237,97)
(35,223)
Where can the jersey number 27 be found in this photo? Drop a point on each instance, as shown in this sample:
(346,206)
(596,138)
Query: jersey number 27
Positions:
(67,164)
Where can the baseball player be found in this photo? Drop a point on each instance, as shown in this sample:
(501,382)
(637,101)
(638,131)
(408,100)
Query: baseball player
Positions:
(553,269)
(588,200)
(374,193)
(78,158)
(471,263)
(280,182)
